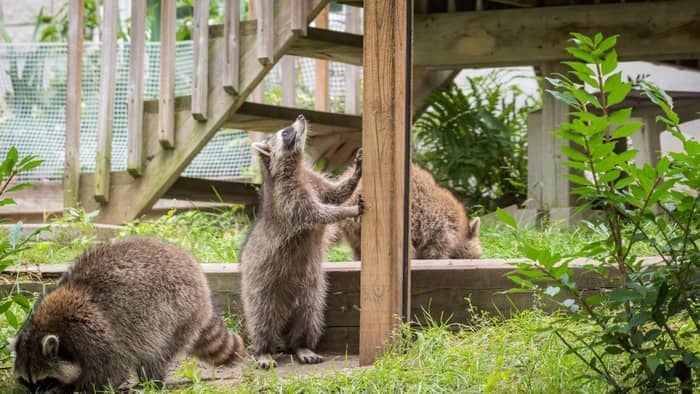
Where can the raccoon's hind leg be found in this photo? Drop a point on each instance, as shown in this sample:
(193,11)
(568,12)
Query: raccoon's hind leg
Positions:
(264,325)
(308,324)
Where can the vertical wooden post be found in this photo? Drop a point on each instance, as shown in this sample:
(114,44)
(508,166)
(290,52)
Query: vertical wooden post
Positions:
(648,141)
(265,34)
(556,196)
(134,159)
(108,77)
(166,104)
(200,61)
(321,95)
(298,17)
(386,131)
(535,136)
(351,72)
(288,69)
(71,167)
(232,23)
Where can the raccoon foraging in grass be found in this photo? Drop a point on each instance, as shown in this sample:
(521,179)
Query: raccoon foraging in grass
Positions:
(440,227)
(123,308)
(282,285)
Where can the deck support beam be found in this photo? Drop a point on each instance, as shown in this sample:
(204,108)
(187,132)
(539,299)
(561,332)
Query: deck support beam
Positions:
(386,124)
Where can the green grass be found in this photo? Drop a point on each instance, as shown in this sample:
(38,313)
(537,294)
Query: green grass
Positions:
(216,237)
(494,356)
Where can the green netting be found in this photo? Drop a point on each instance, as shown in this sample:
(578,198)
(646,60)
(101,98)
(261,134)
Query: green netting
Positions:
(33,94)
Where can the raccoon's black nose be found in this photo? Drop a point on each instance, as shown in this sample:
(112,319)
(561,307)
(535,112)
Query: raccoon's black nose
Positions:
(301,117)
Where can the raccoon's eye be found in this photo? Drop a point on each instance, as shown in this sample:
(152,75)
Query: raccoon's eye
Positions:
(286,132)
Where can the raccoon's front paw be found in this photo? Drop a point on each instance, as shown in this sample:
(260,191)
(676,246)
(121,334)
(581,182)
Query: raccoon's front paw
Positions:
(360,206)
(358,163)
(265,361)
(307,356)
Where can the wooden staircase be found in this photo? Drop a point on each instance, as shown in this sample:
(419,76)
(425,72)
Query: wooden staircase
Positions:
(230,60)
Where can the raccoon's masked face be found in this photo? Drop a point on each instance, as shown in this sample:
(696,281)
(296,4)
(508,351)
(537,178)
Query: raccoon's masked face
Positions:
(285,149)
(44,364)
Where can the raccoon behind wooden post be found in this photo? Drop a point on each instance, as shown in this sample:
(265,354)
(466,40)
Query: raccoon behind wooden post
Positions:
(282,285)
(440,228)
(123,308)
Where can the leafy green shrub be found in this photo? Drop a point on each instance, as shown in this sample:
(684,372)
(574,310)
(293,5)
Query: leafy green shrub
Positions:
(475,142)
(13,300)
(651,316)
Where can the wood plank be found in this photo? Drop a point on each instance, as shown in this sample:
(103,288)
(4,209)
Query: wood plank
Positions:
(299,23)
(386,125)
(265,30)
(438,287)
(529,36)
(288,80)
(196,189)
(353,25)
(200,59)
(232,18)
(105,114)
(165,166)
(71,166)
(337,46)
(134,158)
(321,96)
(166,119)
(271,118)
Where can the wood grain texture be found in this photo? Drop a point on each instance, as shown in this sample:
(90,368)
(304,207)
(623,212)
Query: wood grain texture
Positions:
(330,45)
(264,9)
(134,158)
(353,25)
(105,114)
(321,97)
(386,118)
(71,166)
(527,36)
(166,119)
(232,19)
(200,59)
(288,80)
(299,23)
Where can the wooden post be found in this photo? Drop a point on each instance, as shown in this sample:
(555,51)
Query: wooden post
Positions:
(648,140)
(166,105)
(288,69)
(386,126)
(108,77)
(352,73)
(535,136)
(135,141)
(200,61)
(298,17)
(556,197)
(321,95)
(265,33)
(71,167)
(232,23)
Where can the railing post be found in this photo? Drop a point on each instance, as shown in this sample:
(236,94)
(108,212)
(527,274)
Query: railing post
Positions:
(232,23)
(321,96)
(71,167)
(200,77)
(166,105)
(265,33)
(134,160)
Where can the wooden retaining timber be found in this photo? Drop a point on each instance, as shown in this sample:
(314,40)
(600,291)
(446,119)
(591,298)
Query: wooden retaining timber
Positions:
(439,289)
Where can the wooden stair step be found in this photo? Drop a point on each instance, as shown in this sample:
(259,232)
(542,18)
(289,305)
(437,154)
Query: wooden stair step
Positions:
(271,118)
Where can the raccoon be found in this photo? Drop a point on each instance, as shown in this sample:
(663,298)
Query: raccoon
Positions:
(440,227)
(283,288)
(124,308)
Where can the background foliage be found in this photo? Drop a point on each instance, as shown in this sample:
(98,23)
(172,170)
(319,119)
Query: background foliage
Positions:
(474,141)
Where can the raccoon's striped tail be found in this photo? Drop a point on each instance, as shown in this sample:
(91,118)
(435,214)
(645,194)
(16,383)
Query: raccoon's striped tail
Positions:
(216,345)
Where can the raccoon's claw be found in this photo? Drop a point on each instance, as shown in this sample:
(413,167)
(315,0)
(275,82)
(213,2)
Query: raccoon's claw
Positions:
(265,361)
(358,162)
(360,206)
(307,356)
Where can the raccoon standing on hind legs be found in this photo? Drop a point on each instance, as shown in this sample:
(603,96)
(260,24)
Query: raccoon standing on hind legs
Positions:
(283,287)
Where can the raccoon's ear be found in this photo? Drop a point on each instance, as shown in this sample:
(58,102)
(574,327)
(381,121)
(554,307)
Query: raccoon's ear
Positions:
(473,231)
(49,346)
(12,343)
(262,147)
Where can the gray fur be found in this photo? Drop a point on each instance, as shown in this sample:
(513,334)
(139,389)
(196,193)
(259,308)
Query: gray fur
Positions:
(282,285)
(440,227)
(124,308)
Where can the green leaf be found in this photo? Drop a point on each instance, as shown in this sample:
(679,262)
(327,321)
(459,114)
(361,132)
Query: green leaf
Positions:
(7,201)
(19,186)
(5,306)
(21,300)
(614,350)
(597,39)
(618,94)
(506,219)
(607,43)
(610,63)
(624,182)
(577,179)
(609,176)
(11,319)
(620,116)
(627,130)
(582,39)
(582,55)
(566,98)
(573,153)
